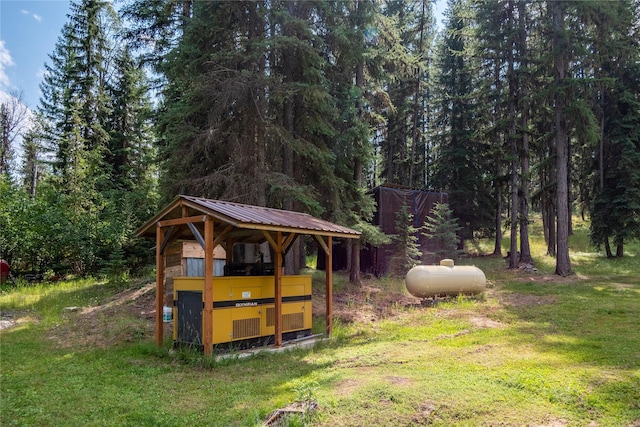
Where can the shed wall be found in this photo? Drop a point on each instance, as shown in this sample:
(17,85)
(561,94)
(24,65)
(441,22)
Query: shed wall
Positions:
(379,261)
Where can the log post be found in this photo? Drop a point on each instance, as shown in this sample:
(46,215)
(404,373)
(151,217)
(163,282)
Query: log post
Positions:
(159,285)
(207,315)
(329,286)
(277,271)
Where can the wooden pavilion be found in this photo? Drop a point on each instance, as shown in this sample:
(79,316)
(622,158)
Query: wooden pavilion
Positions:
(215,223)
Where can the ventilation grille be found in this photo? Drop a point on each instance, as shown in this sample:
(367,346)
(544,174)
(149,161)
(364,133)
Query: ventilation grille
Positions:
(292,321)
(245,328)
(289,321)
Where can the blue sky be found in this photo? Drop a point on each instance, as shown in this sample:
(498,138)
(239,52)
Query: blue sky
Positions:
(29,30)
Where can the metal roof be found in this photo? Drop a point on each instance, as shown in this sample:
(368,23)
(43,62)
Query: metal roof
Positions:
(247,217)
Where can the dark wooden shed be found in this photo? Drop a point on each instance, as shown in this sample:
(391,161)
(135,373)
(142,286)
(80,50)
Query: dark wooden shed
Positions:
(389,201)
(216,223)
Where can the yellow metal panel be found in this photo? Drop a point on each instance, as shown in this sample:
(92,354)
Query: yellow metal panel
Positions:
(222,325)
(187,284)
(251,321)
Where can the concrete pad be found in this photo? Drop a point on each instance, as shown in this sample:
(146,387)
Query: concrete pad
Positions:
(306,342)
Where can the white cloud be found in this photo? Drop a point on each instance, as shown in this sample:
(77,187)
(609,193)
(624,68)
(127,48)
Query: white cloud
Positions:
(5,61)
(34,15)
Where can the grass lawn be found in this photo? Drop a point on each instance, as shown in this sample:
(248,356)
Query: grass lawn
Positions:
(533,350)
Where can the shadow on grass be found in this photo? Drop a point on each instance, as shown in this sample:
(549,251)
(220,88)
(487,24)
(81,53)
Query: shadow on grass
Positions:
(587,321)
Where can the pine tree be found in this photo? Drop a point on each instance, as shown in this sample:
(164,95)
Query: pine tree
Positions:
(94,114)
(614,201)
(404,33)
(74,103)
(463,161)
(407,247)
(33,169)
(442,228)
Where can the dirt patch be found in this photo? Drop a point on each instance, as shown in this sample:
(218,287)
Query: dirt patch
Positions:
(547,278)
(346,387)
(9,319)
(364,304)
(484,322)
(425,413)
(402,381)
(553,423)
(126,317)
(525,300)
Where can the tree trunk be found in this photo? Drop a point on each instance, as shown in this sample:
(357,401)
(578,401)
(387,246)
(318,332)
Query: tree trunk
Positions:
(4,140)
(525,249)
(563,262)
(551,230)
(569,192)
(607,247)
(354,270)
(261,111)
(497,247)
(417,113)
(513,151)
(291,107)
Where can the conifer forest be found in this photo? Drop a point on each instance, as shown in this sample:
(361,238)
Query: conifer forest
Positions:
(513,108)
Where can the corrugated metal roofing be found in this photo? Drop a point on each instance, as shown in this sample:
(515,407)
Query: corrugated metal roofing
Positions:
(251,217)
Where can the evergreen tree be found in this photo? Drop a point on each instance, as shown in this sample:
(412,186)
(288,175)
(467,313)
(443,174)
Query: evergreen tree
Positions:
(573,119)
(615,199)
(442,228)
(407,247)
(462,165)
(74,103)
(34,167)
(94,113)
(408,31)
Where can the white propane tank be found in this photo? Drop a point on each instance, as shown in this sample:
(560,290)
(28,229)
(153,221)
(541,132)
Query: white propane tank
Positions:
(427,281)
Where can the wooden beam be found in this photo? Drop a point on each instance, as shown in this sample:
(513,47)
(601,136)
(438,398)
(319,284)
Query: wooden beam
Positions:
(220,238)
(278,289)
(323,245)
(207,315)
(329,287)
(269,238)
(229,250)
(197,235)
(167,237)
(289,240)
(294,230)
(159,284)
(182,221)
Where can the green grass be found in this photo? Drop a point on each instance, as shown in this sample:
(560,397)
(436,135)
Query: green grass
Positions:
(534,351)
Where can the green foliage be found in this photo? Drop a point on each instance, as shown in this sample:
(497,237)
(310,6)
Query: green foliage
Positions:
(465,164)
(441,227)
(616,201)
(78,210)
(406,242)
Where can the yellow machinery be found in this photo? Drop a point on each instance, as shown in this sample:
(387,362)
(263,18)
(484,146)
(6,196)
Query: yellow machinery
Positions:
(243,309)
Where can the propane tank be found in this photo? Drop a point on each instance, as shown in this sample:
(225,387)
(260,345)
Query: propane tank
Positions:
(427,281)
